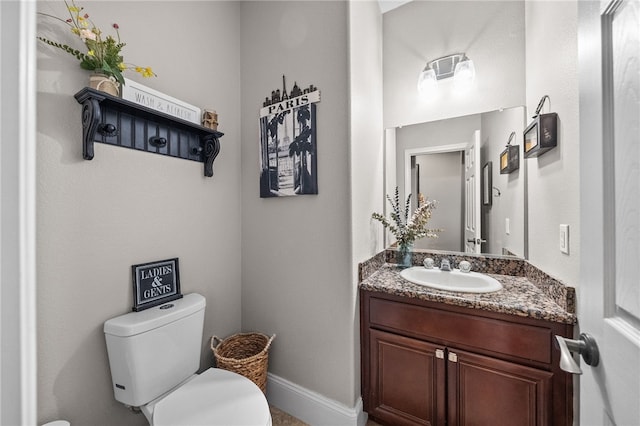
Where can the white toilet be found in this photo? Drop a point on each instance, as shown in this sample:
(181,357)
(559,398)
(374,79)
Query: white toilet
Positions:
(154,355)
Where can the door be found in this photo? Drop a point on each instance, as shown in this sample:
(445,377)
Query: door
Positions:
(609,292)
(472,241)
(489,391)
(407,380)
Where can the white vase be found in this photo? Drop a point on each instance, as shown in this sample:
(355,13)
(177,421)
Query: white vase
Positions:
(104,83)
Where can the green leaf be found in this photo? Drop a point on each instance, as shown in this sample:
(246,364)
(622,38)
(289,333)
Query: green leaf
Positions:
(118,76)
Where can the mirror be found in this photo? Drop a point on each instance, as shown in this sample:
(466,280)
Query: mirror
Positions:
(429,158)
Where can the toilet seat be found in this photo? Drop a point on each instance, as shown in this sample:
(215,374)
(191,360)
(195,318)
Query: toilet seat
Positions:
(214,397)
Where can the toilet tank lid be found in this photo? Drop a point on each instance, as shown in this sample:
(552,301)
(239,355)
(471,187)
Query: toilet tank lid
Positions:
(139,322)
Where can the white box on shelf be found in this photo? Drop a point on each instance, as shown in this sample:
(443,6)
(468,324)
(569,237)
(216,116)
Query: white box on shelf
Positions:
(158,101)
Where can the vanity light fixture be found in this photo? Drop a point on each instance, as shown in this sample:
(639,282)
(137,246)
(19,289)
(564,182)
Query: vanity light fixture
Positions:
(458,66)
(427,80)
(510,157)
(465,73)
(541,134)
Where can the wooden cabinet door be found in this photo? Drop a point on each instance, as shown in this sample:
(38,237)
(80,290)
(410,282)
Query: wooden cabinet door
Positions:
(487,391)
(407,379)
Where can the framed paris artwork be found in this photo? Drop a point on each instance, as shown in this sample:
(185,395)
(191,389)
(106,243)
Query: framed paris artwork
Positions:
(288,143)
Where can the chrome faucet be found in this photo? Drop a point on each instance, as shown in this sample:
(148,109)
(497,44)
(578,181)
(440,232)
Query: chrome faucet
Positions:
(445,265)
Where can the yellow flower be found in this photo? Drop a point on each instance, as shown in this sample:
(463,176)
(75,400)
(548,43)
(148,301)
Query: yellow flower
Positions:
(145,72)
(122,66)
(91,53)
(73,9)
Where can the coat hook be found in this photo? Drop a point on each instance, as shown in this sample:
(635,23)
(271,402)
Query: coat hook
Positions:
(107,129)
(157,141)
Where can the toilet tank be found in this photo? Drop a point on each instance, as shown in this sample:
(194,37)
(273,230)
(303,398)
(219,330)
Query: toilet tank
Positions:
(152,351)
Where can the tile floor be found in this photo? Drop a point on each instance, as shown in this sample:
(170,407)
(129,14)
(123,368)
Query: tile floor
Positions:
(280,418)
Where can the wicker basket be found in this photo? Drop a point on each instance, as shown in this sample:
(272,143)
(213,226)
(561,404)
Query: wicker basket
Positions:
(246,354)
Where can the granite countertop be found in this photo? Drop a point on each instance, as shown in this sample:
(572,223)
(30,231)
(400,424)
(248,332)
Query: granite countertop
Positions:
(519,296)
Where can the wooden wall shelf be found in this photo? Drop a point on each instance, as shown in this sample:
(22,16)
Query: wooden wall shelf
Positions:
(115,121)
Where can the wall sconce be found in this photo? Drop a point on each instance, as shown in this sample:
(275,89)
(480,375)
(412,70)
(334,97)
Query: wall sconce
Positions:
(510,157)
(458,66)
(542,134)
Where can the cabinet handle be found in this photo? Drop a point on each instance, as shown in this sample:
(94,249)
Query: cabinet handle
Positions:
(453,357)
(439,353)
(476,241)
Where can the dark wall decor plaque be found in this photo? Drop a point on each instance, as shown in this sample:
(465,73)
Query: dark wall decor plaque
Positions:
(288,142)
(155,283)
(542,134)
(510,157)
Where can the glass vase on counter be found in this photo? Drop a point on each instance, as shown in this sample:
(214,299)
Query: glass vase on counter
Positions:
(404,255)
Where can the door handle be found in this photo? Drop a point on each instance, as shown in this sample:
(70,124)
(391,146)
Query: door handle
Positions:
(585,346)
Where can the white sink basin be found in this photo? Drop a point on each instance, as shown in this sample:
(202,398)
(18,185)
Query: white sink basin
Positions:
(454,280)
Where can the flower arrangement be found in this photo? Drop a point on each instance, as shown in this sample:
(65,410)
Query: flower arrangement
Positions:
(405,229)
(103,53)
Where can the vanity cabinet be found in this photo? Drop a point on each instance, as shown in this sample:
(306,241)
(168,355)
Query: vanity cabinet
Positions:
(429,363)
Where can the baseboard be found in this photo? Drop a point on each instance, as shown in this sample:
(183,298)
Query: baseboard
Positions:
(311,407)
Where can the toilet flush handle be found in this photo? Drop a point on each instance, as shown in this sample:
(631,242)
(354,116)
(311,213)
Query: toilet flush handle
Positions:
(585,346)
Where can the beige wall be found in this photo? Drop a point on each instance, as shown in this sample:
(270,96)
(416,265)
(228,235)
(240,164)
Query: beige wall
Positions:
(296,264)
(490,32)
(366,138)
(366,149)
(97,218)
(496,129)
(554,178)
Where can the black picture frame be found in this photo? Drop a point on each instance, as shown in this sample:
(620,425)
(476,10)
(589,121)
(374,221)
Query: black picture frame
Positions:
(288,142)
(510,159)
(541,135)
(487,184)
(155,283)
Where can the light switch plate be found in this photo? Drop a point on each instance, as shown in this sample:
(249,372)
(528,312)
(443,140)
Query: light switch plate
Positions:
(564,239)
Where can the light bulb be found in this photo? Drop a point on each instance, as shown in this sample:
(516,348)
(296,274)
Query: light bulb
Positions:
(427,81)
(464,73)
